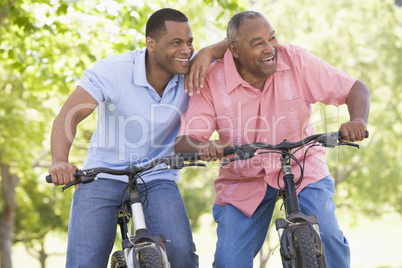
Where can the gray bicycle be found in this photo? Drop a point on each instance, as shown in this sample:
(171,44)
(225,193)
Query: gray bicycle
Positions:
(140,249)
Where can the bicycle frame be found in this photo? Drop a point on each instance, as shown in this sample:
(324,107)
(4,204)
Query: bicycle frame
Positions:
(295,219)
(299,234)
(138,245)
(138,238)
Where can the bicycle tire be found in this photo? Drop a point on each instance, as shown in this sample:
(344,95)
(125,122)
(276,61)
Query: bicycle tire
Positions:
(149,258)
(118,260)
(305,249)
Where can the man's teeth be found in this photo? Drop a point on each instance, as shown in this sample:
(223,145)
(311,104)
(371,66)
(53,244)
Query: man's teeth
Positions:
(266,59)
(181,60)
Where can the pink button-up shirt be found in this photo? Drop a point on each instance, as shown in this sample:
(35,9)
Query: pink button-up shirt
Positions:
(243,114)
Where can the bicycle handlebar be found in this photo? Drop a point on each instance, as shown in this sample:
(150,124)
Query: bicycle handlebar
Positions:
(247,151)
(243,152)
(176,161)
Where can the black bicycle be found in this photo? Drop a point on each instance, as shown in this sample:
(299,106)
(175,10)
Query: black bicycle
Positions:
(299,235)
(140,249)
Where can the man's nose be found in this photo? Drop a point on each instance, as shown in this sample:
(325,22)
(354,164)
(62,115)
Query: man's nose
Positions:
(269,48)
(186,49)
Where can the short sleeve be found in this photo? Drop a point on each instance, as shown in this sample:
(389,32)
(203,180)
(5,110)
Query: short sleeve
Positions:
(99,81)
(322,82)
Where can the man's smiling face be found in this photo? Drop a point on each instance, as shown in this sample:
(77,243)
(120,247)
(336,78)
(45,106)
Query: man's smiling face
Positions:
(256,48)
(174,48)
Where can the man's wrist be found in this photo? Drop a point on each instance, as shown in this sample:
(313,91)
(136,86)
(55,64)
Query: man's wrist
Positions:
(362,121)
(57,161)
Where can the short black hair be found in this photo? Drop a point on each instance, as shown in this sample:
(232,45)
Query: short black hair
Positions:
(156,23)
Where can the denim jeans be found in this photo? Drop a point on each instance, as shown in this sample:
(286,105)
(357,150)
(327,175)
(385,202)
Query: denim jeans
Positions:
(240,238)
(92,226)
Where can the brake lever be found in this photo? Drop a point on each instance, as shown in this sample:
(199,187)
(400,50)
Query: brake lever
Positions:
(195,165)
(69,185)
(82,179)
(350,144)
(244,153)
(230,160)
(331,141)
(179,163)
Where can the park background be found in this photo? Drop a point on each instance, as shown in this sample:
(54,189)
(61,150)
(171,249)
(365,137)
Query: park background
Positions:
(45,45)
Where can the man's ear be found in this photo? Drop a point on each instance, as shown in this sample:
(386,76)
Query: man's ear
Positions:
(151,43)
(234,50)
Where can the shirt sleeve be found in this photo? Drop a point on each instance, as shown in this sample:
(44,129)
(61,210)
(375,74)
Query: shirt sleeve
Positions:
(99,81)
(198,121)
(322,82)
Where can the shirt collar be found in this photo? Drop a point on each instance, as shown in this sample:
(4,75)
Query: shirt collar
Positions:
(140,76)
(234,79)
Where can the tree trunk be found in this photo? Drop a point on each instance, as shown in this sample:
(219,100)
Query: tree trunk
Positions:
(8,184)
(4,11)
(43,255)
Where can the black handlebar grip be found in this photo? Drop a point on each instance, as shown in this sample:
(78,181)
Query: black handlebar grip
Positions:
(49,179)
(193,156)
(229,150)
(366,135)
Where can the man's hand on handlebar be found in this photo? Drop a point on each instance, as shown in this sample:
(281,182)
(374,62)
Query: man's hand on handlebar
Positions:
(353,131)
(211,150)
(63,173)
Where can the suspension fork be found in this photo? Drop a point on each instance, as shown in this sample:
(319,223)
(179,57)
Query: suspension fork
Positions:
(138,222)
(137,216)
(294,215)
(290,197)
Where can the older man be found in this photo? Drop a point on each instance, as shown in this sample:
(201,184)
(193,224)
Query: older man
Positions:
(262,91)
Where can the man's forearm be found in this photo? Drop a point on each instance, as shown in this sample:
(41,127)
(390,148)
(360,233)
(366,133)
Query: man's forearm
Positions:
(62,138)
(217,51)
(207,150)
(359,103)
(186,144)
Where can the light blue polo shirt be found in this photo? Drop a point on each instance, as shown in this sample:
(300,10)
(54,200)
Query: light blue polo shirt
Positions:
(135,125)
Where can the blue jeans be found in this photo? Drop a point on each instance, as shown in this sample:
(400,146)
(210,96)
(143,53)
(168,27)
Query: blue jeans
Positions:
(240,238)
(92,226)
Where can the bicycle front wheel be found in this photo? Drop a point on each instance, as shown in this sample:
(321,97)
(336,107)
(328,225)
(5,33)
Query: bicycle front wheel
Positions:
(149,258)
(118,260)
(305,249)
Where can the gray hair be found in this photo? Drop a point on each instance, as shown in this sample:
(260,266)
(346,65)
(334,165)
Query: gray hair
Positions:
(236,21)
